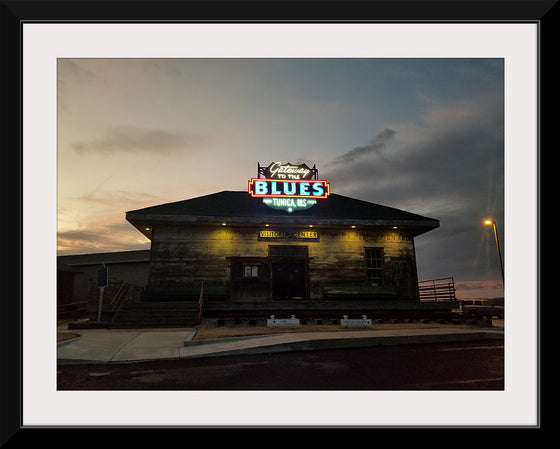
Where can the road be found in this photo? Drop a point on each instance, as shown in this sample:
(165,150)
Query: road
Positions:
(457,366)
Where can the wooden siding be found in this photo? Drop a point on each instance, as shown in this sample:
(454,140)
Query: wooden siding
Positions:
(184,256)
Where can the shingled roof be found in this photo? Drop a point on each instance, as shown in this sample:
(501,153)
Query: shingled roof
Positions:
(239,207)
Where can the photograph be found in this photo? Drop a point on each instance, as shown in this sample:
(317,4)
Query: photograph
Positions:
(234,197)
(280,224)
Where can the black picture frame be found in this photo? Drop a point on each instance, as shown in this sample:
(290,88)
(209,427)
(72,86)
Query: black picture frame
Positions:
(16,13)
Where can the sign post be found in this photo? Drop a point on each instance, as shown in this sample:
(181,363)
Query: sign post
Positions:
(102,282)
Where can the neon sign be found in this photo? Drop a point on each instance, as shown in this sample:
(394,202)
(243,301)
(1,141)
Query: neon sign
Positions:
(263,188)
(287,171)
(288,187)
(289,204)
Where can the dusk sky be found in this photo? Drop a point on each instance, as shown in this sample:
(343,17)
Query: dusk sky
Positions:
(419,134)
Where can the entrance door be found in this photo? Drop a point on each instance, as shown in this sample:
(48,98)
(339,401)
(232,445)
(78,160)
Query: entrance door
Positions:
(288,280)
(289,271)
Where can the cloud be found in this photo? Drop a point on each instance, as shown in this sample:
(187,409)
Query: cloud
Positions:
(106,237)
(73,70)
(112,198)
(131,139)
(375,145)
(479,289)
(99,216)
(454,157)
(449,166)
(86,241)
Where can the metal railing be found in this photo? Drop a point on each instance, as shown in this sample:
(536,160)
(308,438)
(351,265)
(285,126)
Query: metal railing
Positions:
(72,310)
(436,290)
(119,299)
(119,295)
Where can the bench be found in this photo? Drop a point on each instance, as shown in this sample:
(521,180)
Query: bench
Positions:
(187,293)
(347,292)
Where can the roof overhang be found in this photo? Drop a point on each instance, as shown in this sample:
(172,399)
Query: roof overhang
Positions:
(146,222)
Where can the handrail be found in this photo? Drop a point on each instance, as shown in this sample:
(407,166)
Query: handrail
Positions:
(201,301)
(71,308)
(436,290)
(438,279)
(116,308)
(120,293)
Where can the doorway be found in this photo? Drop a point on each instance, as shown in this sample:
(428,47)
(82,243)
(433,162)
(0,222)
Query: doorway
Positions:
(289,272)
(288,280)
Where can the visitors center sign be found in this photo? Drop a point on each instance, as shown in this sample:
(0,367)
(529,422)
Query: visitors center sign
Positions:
(288,187)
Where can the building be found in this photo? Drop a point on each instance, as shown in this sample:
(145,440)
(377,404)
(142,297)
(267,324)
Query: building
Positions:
(124,266)
(286,246)
(65,281)
(238,246)
(78,292)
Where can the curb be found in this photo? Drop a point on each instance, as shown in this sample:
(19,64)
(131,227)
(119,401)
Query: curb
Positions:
(351,343)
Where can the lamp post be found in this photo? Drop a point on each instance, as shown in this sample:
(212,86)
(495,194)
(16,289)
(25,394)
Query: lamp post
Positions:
(493,223)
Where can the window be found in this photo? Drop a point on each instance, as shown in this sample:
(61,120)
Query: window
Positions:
(250,271)
(374,266)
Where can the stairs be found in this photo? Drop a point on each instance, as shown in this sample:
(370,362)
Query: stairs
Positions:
(157,314)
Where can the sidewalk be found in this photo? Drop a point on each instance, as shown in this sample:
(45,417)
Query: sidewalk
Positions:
(117,346)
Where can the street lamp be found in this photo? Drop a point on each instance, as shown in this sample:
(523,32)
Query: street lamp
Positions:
(493,223)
